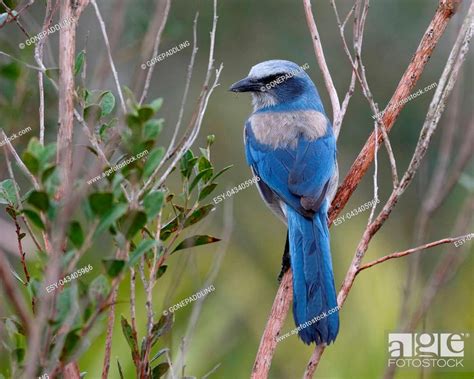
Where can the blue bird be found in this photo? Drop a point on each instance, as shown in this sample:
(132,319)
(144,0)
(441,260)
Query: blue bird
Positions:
(290,145)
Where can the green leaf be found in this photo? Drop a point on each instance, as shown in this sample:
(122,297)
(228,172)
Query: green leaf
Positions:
(133,121)
(161,271)
(10,71)
(152,128)
(31,162)
(159,354)
(152,203)
(195,217)
(79,62)
(39,199)
(198,177)
(45,154)
(153,160)
(198,215)
(187,163)
(107,103)
(47,173)
(159,370)
(131,338)
(92,112)
(204,164)
(98,289)
(132,223)
(142,248)
(105,127)
(207,190)
(110,217)
(113,267)
(19,354)
(7,192)
(70,344)
(75,234)
(145,113)
(221,172)
(156,104)
(162,327)
(195,241)
(101,202)
(34,218)
(67,300)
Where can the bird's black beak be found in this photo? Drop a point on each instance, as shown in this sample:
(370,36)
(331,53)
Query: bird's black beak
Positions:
(246,85)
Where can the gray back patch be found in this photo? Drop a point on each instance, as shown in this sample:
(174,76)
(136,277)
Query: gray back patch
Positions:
(282,129)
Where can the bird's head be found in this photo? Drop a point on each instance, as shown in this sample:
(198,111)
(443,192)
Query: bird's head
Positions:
(279,83)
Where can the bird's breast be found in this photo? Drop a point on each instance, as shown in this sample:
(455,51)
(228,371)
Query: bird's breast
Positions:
(283,129)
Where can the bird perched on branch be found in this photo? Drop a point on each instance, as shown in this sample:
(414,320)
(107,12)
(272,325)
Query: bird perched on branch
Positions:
(290,145)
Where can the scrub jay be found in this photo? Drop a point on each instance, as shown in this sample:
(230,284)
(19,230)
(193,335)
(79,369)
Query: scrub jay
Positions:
(290,145)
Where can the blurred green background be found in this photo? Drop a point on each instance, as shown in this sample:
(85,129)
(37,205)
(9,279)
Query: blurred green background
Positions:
(233,317)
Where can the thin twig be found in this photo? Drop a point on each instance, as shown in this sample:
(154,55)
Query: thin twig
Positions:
(318,50)
(13,294)
(48,17)
(109,53)
(155,49)
(409,251)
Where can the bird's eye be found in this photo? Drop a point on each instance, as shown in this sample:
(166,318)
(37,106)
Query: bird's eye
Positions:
(271,78)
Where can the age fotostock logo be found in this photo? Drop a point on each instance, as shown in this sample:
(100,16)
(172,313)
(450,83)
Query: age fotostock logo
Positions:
(436,350)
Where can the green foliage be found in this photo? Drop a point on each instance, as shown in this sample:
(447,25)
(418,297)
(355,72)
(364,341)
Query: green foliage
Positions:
(195,241)
(125,207)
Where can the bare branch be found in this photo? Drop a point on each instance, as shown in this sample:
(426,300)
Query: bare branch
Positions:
(109,53)
(409,251)
(13,294)
(318,50)
(163,11)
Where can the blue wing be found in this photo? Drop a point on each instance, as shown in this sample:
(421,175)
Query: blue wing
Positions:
(298,176)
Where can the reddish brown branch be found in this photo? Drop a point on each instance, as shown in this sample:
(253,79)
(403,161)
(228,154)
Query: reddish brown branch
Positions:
(268,343)
(13,294)
(19,237)
(407,83)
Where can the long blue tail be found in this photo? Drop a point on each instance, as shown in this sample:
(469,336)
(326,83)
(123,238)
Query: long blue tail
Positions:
(314,295)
